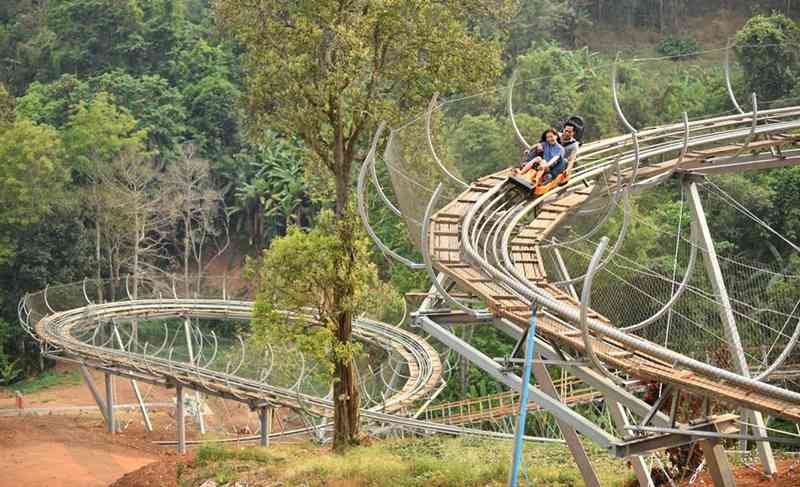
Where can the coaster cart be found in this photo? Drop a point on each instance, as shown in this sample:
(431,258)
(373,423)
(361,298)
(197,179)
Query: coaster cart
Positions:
(543,188)
(562,179)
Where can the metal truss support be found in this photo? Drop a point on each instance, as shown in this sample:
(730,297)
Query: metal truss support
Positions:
(567,431)
(728,319)
(717,462)
(495,370)
(187,326)
(563,272)
(180,422)
(110,403)
(620,418)
(148,426)
(609,389)
(617,411)
(265,417)
(87,377)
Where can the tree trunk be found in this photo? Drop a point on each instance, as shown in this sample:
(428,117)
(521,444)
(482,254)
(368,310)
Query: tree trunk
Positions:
(345,392)
(345,387)
(186,229)
(97,241)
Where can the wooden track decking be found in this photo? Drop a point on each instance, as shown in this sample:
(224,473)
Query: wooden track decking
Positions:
(497,406)
(445,249)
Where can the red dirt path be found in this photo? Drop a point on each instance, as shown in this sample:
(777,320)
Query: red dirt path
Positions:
(59,451)
(788,476)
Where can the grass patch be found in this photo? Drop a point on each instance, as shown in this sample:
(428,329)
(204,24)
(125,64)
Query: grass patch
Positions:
(441,462)
(45,380)
(210,454)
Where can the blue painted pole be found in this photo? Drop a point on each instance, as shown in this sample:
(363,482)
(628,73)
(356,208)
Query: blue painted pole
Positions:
(523,401)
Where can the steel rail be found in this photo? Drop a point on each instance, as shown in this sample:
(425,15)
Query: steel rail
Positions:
(57,327)
(569,312)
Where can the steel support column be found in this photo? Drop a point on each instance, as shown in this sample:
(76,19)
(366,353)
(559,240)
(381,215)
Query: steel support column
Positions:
(265,417)
(148,426)
(567,431)
(87,377)
(110,403)
(717,462)
(591,377)
(728,319)
(180,424)
(555,407)
(620,418)
(617,411)
(187,326)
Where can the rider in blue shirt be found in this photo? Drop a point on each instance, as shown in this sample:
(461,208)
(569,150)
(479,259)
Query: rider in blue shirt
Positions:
(551,161)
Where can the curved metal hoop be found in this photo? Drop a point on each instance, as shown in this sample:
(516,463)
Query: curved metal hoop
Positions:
(623,231)
(615,96)
(728,84)
(586,294)
(428,117)
(685,149)
(787,350)
(753,126)
(377,183)
(362,206)
(510,106)
(678,292)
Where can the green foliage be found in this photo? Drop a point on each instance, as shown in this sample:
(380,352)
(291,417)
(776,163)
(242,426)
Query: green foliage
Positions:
(156,106)
(541,20)
(317,269)
(768,48)
(212,453)
(8,371)
(215,125)
(369,64)
(98,132)
(7,106)
(32,175)
(482,145)
(679,48)
(556,83)
(548,86)
(52,103)
(94,35)
(440,461)
(268,186)
(46,380)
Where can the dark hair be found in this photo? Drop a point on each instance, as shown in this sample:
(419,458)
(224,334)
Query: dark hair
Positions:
(551,129)
(570,124)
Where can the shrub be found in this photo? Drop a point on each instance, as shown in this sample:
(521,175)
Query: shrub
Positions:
(679,47)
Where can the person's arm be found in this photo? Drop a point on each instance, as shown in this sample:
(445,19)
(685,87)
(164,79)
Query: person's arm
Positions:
(559,154)
(572,158)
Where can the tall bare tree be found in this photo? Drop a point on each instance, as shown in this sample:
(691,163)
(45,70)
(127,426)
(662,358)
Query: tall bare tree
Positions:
(197,208)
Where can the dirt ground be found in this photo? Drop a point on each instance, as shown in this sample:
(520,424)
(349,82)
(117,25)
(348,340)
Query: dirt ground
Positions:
(60,451)
(74,450)
(79,394)
(788,476)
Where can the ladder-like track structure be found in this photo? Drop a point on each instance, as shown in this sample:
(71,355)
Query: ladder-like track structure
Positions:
(488,241)
(61,318)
